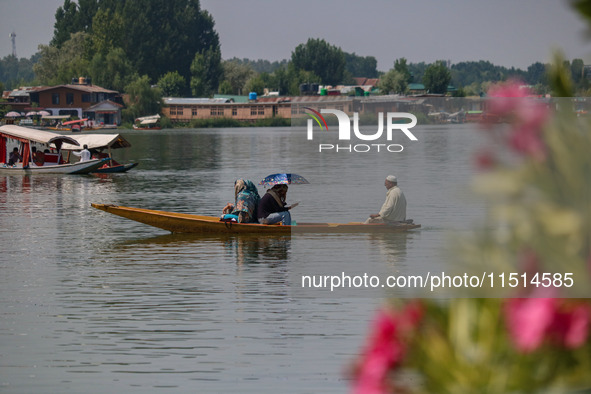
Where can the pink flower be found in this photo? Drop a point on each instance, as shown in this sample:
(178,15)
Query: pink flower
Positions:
(528,321)
(532,321)
(386,348)
(510,102)
(571,326)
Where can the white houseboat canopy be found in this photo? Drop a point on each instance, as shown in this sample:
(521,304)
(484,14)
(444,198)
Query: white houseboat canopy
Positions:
(34,135)
(98,141)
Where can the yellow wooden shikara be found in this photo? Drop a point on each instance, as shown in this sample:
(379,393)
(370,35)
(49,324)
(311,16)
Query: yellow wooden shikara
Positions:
(188,223)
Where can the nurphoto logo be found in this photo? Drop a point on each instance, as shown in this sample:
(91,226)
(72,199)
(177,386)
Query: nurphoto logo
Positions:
(345,124)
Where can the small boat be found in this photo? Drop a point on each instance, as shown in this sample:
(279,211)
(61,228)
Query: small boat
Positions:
(50,162)
(75,125)
(99,142)
(189,223)
(147,123)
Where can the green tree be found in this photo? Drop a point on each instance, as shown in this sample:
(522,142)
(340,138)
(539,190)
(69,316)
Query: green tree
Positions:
(143,99)
(158,36)
(172,84)
(59,66)
(255,84)
(113,70)
(361,66)
(165,35)
(226,87)
(401,66)
(297,77)
(321,58)
(437,78)
(576,69)
(536,74)
(108,31)
(393,81)
(235,76)
(281,81)
(206,71)
(17,72)
(66,23)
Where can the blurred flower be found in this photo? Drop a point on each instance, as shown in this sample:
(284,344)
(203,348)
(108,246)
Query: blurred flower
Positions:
(531,321)
(528,321)
(571,326)
(386,348)
(512,102)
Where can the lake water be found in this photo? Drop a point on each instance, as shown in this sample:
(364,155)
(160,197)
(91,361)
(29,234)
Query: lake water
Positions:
(94,303)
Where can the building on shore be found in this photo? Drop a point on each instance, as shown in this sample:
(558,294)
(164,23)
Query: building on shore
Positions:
(79,99)
(240,108)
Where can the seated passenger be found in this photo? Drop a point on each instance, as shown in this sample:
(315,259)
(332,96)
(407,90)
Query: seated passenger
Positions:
(273,208)
(245,204)
(14,157)
(38,157)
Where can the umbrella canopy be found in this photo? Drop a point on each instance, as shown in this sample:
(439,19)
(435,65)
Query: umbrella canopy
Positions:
(12,114)
(43,113)
(31,113)
(287,179)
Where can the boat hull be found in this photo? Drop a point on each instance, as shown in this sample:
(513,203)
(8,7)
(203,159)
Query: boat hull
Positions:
(74,168)
(115,169)
(188,223)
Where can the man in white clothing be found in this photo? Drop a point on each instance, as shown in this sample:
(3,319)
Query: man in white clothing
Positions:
(84,154)
(394,208)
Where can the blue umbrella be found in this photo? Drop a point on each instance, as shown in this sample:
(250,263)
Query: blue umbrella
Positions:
(287,179)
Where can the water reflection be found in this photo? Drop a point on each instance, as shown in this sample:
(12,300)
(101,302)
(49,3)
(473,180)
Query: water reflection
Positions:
(392,246)
(95,300)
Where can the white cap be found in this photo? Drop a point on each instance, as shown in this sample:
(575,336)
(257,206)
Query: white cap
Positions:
(391,178)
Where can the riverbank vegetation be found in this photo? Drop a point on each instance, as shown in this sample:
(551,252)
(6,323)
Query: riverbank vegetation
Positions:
(130,46)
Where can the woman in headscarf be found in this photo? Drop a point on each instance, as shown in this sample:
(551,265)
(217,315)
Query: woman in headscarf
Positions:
(273,208)
(246,201)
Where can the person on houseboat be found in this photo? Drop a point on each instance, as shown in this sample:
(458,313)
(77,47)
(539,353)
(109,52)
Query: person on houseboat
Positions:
(394,208)
(273,208)
(244,209)
(84,154)
(14,157)
(38,157)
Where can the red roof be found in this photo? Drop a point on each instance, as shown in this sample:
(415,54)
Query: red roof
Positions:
(362,81)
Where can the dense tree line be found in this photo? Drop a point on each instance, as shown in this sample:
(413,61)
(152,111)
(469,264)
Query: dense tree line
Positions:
(17,72)
(138,45)
(153,37)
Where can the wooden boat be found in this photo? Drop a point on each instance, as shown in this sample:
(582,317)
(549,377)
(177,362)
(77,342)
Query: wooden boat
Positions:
(147,123)
(189,223)
(100,142)
(110,168)
(75,125)
(50,162)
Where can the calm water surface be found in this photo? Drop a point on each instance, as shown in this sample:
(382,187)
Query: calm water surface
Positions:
(94,303)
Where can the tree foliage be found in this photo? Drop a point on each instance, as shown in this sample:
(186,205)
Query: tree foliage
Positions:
(172,84)
(236,73)
(324,60)
(394,81)
(156,36)
(401,66)
(113,70)
(361,66)
(437,78)
(59,65)
(143,99)
(206,71)
(16,72)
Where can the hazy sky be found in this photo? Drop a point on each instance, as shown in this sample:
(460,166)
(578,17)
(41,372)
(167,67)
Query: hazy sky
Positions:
(505,32)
